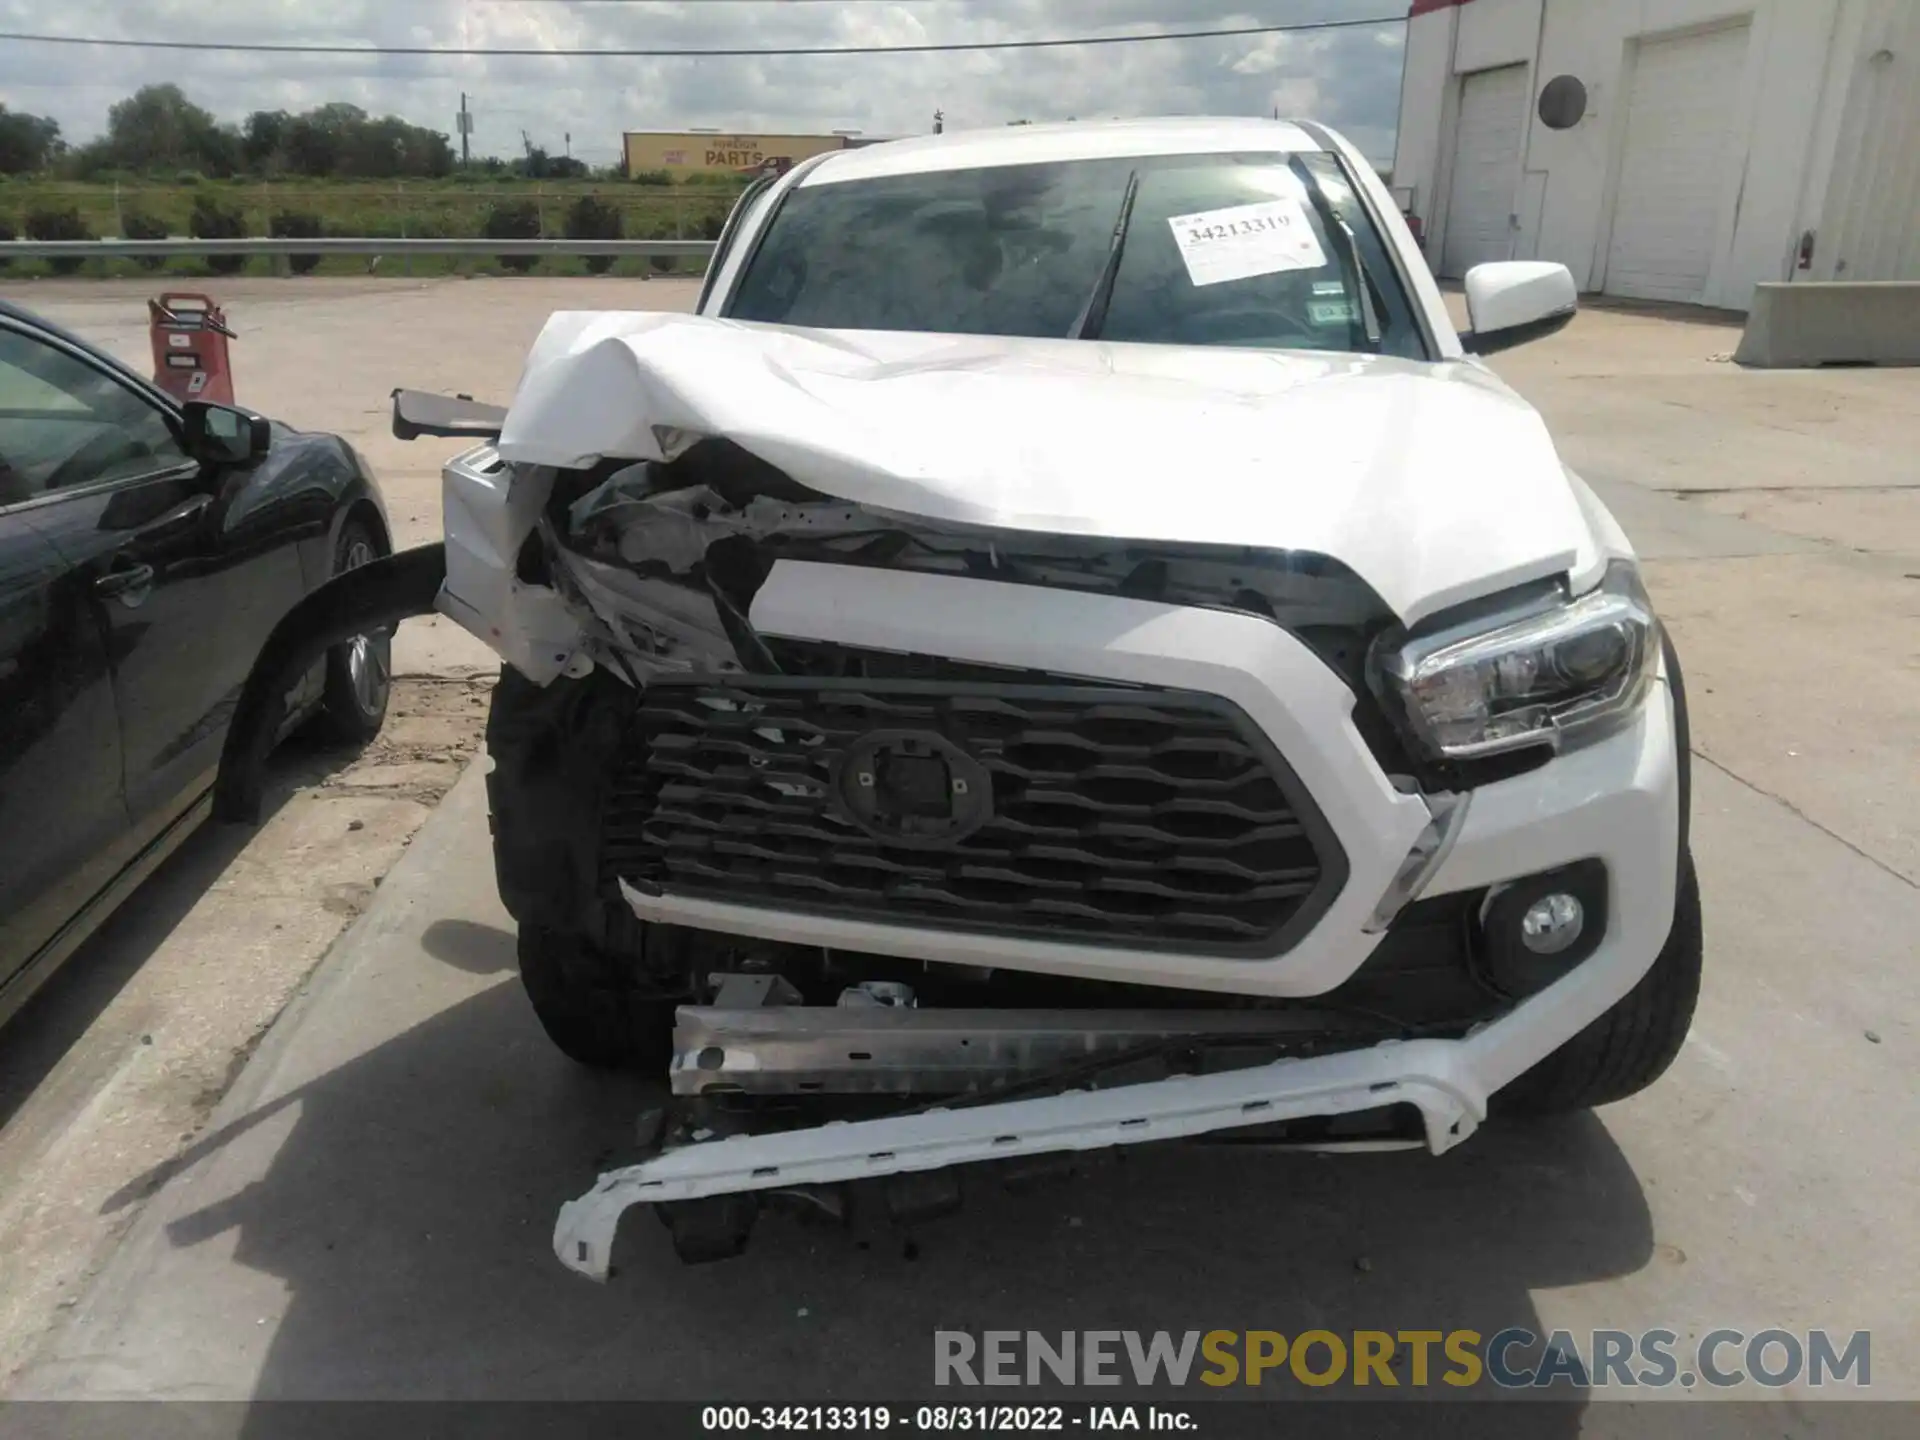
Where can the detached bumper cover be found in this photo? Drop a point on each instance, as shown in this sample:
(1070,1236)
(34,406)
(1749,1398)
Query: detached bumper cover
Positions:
(1436,1076)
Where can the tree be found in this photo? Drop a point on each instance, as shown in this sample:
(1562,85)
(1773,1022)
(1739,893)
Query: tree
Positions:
(343,140)
(158,128)
(317,142)
(84,162)
(308,148)
(27,142)
(263,139)
(435,152)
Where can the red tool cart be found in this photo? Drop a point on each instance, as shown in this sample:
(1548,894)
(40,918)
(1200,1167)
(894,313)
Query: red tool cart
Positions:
(190,335)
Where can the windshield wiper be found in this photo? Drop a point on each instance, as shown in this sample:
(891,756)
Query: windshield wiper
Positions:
(1350,244)
(1093,315)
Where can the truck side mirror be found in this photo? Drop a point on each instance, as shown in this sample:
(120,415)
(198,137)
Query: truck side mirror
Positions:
(1514,301)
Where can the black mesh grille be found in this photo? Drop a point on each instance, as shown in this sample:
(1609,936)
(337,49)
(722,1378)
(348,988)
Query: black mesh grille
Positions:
(1146,818)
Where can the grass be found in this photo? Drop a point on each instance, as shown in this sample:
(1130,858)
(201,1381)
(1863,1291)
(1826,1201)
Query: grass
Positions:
(627,267)
(443,209)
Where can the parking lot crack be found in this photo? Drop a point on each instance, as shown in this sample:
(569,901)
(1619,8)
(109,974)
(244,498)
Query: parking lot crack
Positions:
(1834,835)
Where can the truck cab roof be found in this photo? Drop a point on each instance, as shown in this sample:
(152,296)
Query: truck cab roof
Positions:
(1076,140)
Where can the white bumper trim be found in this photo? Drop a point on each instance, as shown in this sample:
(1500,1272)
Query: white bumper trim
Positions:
(1431,1074)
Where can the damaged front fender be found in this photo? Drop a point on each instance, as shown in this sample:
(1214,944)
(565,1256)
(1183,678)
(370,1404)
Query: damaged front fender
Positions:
(491,511)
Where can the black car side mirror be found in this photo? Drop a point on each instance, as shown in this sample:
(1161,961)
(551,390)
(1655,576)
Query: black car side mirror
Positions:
(224,434)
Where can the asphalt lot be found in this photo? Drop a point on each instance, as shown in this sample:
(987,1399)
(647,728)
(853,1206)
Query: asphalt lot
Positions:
(366,1212)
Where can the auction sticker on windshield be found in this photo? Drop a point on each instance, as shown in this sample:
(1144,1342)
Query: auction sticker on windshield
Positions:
(1243,241)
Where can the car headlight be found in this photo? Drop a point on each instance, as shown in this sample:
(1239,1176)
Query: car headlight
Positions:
(1570,667)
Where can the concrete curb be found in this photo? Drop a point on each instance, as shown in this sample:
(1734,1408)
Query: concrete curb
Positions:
(1832,323)
(55,1365)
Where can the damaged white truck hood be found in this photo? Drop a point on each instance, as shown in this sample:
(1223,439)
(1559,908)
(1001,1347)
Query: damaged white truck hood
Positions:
(1432,482)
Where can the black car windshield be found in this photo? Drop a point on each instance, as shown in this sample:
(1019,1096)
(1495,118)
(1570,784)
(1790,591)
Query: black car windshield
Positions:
(1259,250)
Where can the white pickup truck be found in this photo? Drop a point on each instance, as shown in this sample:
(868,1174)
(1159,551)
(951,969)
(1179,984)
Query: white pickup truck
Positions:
(1067,647)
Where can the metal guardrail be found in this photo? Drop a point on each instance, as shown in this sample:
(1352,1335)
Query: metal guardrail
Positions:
(336,245)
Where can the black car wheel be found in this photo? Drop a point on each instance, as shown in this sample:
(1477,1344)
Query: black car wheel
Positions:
(360,670)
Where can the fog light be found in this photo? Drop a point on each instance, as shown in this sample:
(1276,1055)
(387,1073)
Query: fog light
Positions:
(1534,930)
(1552,923)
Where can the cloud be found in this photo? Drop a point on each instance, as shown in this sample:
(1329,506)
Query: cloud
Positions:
(1349,78)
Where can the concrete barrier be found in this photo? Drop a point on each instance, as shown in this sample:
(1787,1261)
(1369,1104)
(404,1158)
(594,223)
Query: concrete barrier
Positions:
(1833,323)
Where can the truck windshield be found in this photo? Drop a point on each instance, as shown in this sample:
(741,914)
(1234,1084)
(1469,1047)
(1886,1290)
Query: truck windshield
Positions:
(1261,250)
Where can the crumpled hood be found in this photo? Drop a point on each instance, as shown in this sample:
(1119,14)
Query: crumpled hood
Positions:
(1432,482)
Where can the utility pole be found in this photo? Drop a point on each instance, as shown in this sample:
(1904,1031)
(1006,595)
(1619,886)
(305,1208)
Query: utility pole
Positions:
(466,133)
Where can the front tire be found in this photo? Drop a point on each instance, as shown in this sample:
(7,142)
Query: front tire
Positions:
(589,1005)
(1631,1045)
(603,984)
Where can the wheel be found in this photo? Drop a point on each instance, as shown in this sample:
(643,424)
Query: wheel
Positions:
(1630,1046)
(590,1007)
(603,983)
(353,706)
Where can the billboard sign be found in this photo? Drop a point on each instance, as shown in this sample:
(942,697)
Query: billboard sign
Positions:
(686,153)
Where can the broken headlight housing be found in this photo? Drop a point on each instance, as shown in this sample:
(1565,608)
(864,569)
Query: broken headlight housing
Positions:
(1562,669)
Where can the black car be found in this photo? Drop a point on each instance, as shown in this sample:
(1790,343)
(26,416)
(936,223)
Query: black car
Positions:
(147,550)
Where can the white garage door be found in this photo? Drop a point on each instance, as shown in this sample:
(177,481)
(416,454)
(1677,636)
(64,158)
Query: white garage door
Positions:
(1486,167)
(1673,171)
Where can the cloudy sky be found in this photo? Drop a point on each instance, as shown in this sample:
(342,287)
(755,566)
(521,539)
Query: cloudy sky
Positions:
(1347,78)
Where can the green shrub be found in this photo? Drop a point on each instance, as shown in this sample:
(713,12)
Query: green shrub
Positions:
(661,264)
(213,221)
(297,225)
(139,225)
(189,177)
(512,220)
(50,224)
(653,177)
(591,218)
(6,233)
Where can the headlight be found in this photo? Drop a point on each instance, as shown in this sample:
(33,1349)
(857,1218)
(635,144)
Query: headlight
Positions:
(1575,666)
